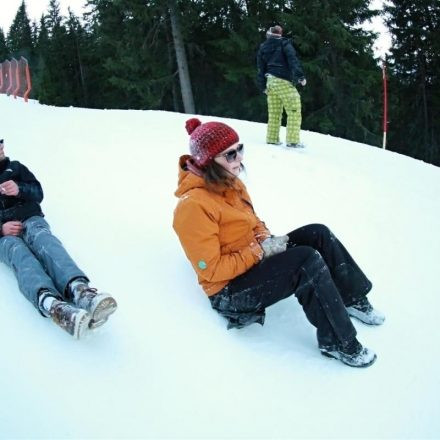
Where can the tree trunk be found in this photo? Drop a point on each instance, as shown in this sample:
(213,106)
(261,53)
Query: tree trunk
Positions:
(426,146)
(81,73)
(182,64)
(172,65)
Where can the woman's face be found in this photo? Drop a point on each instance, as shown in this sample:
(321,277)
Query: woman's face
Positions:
(230,159)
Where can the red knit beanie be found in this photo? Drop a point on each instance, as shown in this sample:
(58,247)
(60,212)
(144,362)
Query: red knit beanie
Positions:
(208,140)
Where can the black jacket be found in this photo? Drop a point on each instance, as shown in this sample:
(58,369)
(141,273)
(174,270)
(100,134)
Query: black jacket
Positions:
(30,194)
(277,57)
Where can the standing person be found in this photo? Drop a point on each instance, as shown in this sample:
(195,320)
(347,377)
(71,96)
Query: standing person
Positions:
(244,269)
(279,70)
(46,274)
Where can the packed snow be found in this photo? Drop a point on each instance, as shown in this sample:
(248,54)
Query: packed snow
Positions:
(165,366)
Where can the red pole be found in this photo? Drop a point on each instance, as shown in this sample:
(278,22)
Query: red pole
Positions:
(8,90)
(17,78)
(385,105)
(28,80)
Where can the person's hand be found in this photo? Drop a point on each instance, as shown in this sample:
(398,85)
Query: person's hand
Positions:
(12,228)
(274,245)
(9,188)
(303,82)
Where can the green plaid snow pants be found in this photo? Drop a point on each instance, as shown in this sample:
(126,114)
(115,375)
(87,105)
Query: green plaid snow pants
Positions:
(282,93)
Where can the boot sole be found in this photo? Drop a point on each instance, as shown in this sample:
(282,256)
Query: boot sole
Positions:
(82,323)
(96,324)
(102,311)
(331,356)
(358,315)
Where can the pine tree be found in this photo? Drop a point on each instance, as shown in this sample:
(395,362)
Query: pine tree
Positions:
(415,66)
(4,51)
(77,48)
(40,74)
(342,96)
(182,62)
(132,47)
(222,38)
(124,57)
(55,82)
(343,92)
(20,35)
(34,33)
(60,67)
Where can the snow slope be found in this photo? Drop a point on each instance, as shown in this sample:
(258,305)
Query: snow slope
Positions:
(165,366)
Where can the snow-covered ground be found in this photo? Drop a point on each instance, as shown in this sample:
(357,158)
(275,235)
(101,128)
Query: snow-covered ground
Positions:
(165,366)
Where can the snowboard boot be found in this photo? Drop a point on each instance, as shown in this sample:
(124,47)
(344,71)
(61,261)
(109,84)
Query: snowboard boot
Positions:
(274,143)
(364,311)
(73,320)
(298,145)
(99,305)
(353,355)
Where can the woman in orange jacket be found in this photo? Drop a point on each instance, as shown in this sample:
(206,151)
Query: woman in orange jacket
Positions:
(244,269)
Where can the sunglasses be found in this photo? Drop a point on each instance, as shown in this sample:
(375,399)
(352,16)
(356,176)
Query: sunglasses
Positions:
(231,155)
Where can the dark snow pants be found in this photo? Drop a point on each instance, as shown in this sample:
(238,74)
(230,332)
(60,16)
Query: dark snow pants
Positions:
(39,260)
(315,267)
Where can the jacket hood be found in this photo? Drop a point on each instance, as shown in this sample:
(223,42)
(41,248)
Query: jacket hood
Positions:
(186,179)
(273,41)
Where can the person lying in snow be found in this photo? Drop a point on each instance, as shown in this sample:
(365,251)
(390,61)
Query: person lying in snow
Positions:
(46,274)
(244,269)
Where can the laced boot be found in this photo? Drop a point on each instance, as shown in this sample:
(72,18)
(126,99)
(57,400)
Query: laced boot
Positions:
(73,320)
(100,305)
(364,311)
(354,354)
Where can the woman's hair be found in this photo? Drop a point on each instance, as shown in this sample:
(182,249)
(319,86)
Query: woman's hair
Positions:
(217,178)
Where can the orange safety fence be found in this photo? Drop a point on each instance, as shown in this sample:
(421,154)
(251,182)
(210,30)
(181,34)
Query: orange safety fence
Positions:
(15,78)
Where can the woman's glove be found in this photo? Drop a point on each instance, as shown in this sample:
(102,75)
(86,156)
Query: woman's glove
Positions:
(274,245)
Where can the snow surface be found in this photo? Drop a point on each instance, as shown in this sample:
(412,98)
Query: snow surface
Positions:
(165,366)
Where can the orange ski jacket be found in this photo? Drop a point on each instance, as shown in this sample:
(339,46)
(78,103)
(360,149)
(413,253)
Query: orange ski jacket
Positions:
(219,231)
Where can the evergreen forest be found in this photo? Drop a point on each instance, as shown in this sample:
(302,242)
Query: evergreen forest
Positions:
(199,56)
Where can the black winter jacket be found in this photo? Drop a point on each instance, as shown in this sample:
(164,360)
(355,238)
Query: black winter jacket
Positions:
(30,194)
(277,57)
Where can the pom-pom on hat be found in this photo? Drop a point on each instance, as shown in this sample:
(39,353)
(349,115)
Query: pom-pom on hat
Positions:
(208,140)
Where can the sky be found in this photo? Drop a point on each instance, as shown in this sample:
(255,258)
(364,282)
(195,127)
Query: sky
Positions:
(383,42)
(35,8)
(164,366)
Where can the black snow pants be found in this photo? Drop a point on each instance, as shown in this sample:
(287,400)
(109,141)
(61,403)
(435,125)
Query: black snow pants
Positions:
(315,267)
